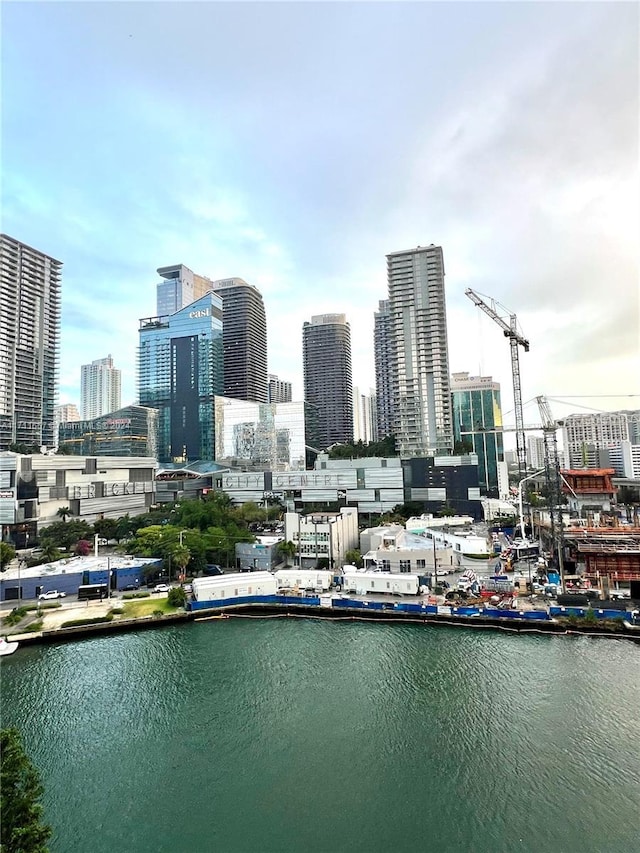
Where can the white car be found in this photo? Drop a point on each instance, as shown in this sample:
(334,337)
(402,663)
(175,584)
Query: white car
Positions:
(162,587)
(53,593)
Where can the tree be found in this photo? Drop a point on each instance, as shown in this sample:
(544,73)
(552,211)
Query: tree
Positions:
(22,830)
(354,558)
(65,534)
(64,512)
(83,548)
(287,550)
(106,528)
(7,554)
(180,556)
(177,597)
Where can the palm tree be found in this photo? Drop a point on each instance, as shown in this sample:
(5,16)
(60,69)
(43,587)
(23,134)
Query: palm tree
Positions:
(64,512)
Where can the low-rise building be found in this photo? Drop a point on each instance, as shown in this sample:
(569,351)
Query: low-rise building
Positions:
(393,549)
(33,488)
(263,555)
(588,489)
(322,536)
(121,572)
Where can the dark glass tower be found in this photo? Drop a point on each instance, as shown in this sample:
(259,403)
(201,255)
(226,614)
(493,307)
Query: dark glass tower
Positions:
(328,388)
(382,357)
(244,340)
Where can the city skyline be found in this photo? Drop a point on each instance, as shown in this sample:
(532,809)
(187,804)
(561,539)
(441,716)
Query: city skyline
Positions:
(291,172)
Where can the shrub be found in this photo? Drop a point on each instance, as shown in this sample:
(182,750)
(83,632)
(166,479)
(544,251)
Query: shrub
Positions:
(96,620)
(157,613)
(117,611)
(136,594)
(177,597)
(35,626)
(15,616)
(47,605)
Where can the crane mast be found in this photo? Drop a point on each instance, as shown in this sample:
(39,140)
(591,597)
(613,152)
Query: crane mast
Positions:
(510,330)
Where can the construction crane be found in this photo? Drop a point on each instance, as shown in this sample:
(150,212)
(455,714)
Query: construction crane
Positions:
(553,478)
(497,313)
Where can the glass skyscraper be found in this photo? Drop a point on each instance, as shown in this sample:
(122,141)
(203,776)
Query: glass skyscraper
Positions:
(477,422)
(180,371)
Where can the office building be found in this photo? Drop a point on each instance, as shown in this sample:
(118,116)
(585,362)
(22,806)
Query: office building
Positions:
(245,340)
(328,389)
(278,391)
(132,431)
(585,434)
(179,287)
(365,426)
(259,436)
(180,363)
(29,344)
(421,396)
(382,362)
(99,388)
(477,423)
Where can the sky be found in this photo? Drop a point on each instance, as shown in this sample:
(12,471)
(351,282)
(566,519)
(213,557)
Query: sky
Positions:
(296,144)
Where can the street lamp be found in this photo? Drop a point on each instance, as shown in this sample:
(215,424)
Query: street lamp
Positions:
(524,480)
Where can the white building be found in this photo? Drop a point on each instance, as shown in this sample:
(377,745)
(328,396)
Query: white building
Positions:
(584,435)
(364,416)
(625,459)
(535,451)
(393,549)
(64,414)
(322,536)
(99,388)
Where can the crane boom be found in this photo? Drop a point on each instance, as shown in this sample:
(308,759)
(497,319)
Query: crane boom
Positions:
(510,331)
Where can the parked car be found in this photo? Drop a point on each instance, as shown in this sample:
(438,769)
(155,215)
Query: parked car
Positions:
(53,593)
(187,588)
(131,587)
(161,587)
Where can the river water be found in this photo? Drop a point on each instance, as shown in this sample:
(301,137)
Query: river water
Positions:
(306,735)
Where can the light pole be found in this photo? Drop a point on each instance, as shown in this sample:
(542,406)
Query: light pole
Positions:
(524,480)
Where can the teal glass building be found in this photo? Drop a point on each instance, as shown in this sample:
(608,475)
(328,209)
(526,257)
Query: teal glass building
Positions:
(477,423)
(180,371)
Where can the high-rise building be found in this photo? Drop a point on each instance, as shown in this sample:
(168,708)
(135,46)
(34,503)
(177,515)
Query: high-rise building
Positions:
(477,415)
(180,363)
(421,396)
(66,413)
(326,359)
(99,388)
(29,343)
(382,361)
(364,416)
(278,391)
(535,451)
(179,288)
(585,434)
(245,340)
(132,431)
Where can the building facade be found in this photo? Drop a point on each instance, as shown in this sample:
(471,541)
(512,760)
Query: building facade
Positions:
(421,396)
(278,391)
(365,424)
(100,385)
(180,371)
(132,431)
(29,344)
(535,452)
(259,436)
(477,422)
(61,415)
(179,287)
(328,388)
(34,488)
(325,536)
(382,362)
(585,434)
(245,340)
(444,483)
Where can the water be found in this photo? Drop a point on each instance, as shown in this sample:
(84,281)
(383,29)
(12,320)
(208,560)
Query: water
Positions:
(303,735)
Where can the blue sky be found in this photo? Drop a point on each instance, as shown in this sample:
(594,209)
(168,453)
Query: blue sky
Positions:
(295,144)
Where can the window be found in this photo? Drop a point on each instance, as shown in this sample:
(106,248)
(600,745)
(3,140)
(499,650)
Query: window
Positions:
(405,565)
(421,564)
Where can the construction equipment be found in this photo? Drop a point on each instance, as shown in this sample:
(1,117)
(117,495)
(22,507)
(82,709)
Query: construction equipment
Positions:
(497,313)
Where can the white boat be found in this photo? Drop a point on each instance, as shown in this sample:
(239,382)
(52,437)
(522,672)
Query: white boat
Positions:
(7,648)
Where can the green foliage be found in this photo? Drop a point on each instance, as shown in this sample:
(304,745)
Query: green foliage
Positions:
(64,449)
(359,450)
(15,616)
(65,534)
(462,447)
(323,564)
(287,550)
(7,554)
(354,558)
(124,528)
(25,449)
(64,512)
(158,613)
(177,597)
(34,627)
(106,528)
(95,620)
(43,605)
(136,594)
(21,830)
(117,611)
